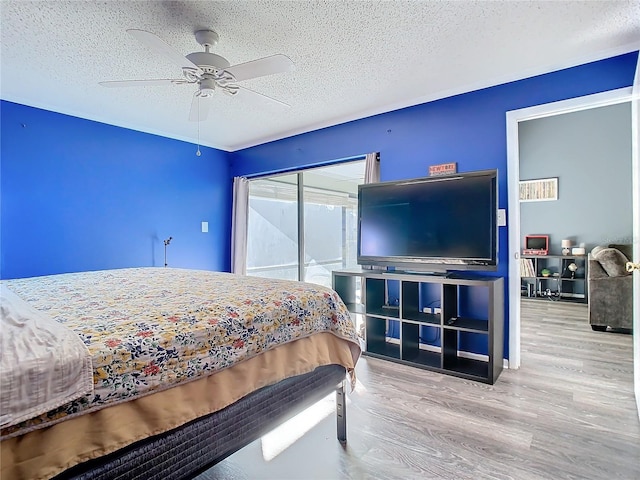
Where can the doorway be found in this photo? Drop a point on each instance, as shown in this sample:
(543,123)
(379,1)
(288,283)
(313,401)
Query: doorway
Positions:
(513,166)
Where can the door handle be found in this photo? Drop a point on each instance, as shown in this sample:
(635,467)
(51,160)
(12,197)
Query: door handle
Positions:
(632,266)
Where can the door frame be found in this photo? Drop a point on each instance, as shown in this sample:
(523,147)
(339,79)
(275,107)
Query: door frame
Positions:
(513,118)
(635,174)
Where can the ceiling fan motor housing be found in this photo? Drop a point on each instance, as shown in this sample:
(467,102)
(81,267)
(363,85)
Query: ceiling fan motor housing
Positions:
(208,60)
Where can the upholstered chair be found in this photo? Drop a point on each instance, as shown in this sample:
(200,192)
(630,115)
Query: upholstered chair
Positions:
(610,288)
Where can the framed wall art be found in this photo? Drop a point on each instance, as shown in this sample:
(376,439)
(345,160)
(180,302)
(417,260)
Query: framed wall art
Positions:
(540,190)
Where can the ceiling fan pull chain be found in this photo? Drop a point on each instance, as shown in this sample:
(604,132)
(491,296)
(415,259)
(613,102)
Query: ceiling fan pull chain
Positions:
(198,151)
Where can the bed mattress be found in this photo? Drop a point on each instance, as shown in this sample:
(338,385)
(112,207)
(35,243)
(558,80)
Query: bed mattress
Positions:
(169,346)
(148,329)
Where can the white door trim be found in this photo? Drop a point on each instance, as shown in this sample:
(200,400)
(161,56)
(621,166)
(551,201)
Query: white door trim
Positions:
(513,118)
(635,164)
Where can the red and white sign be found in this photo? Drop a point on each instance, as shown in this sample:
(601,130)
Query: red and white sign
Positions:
(443,169)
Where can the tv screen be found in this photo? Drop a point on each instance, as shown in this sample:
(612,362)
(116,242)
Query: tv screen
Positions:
(432,223)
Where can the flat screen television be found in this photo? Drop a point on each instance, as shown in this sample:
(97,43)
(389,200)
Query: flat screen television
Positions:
(438,224)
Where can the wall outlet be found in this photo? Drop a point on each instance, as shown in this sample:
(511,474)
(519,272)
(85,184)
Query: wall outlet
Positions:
(434,310)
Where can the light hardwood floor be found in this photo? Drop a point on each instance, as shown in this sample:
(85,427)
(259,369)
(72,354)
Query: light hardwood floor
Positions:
(568,413)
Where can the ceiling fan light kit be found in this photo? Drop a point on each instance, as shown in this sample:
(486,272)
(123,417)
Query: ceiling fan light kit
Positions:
(208,70)
(207,88)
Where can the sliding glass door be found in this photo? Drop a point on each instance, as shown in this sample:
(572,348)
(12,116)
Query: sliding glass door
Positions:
(272,234)
(302,225)
(330,211)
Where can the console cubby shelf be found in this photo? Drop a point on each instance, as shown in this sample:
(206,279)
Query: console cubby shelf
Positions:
(560,284)
(429,321)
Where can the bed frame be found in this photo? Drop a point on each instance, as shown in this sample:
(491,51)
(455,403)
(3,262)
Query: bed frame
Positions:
(187,451)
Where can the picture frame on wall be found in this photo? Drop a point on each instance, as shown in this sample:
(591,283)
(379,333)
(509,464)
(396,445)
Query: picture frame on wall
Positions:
(540,190)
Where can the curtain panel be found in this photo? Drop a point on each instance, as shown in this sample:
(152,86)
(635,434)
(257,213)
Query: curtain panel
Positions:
(372,167)
(239,224)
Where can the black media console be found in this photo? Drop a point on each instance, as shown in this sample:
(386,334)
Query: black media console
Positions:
(428,321)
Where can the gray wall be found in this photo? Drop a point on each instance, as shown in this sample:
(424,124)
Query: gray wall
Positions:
(590,153)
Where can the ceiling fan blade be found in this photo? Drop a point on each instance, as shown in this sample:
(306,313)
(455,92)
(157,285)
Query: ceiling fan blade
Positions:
(142,83)
(199,108)
(155,43)
(253,95)
(261,67)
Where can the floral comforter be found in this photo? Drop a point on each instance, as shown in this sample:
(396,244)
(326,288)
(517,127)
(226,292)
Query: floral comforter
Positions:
(148,329)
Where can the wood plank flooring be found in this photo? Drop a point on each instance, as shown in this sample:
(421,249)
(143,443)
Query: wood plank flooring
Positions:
(568,413)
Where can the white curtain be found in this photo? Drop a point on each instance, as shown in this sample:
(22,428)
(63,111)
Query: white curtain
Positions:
(372,168)
(239,223)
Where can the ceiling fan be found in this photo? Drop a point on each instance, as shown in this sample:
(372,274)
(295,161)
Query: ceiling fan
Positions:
(207,70)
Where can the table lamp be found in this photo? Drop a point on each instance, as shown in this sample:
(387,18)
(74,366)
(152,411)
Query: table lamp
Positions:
(566,247)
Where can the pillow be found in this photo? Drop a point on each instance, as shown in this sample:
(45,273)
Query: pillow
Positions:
(613,261)
(625,248)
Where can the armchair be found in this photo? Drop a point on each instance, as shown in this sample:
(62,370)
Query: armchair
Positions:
(610,288)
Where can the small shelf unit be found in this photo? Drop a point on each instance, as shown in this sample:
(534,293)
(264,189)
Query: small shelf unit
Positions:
(560,284)
(429,321)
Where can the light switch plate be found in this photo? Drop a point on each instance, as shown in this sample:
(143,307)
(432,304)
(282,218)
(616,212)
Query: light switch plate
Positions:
(502,217)
(205,227)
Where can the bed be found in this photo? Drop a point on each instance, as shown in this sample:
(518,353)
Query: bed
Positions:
(160,372)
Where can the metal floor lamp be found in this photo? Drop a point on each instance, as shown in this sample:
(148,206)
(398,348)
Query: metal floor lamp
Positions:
(166,242)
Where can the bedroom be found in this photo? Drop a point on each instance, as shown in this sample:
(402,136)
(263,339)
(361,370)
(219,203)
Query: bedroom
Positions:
(66,179)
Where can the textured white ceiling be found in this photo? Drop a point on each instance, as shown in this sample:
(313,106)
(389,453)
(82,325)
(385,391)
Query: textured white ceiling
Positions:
(353,58)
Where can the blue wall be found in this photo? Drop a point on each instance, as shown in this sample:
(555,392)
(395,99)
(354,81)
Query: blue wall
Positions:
(79,195)
(469,129)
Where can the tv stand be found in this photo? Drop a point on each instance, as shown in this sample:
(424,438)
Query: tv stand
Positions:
(451,324)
